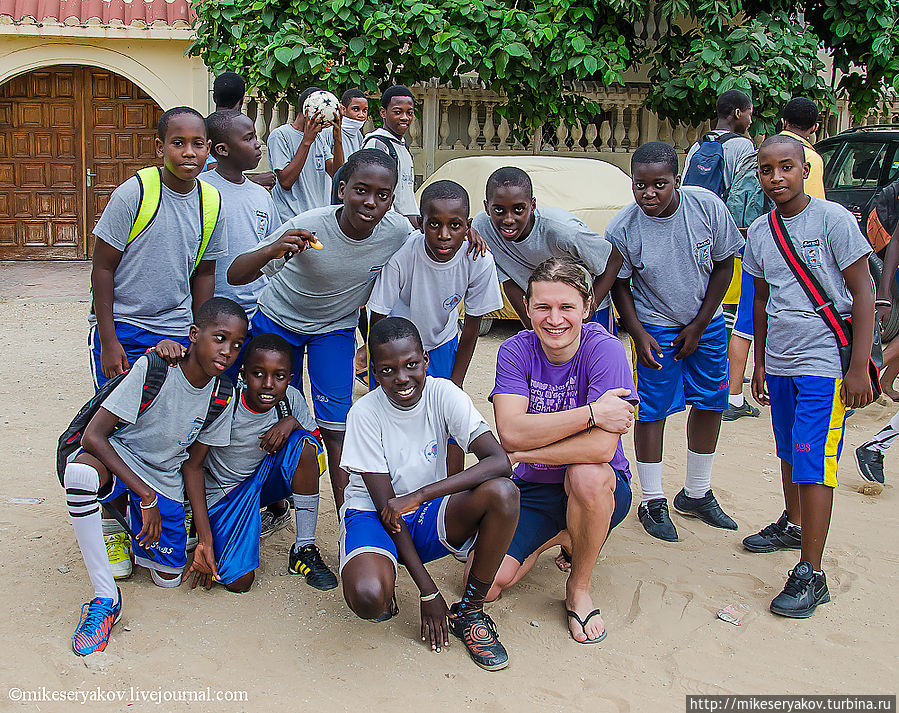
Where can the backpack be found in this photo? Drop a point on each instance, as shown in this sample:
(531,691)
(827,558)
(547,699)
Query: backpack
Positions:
(884,217)
(157,370)
(388,142)
(746,200)
(706,167)
(150,181)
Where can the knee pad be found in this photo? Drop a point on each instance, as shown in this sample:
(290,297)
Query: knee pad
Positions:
(82,477)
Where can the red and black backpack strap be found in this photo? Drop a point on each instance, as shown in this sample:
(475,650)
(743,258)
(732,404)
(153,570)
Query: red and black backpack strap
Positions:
(222,394)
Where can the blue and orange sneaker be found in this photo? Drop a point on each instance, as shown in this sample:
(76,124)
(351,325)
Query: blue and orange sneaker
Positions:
(93,630)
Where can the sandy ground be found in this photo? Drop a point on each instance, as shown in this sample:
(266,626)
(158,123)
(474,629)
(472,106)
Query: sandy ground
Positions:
(290,647)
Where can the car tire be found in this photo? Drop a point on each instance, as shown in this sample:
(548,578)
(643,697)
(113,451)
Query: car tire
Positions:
(891,328)
(486,326)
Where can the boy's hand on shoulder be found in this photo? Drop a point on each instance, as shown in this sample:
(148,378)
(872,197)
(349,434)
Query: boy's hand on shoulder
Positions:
(476,244)
(275,437)
(397,507)
(434,627)
(759,388)
(856,391)
(688,338)
(612,413)
(646,347)
(266,180)
(171,351)
(113,360)
(203,567)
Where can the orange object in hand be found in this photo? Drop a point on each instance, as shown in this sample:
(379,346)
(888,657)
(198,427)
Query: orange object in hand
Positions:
(316,245)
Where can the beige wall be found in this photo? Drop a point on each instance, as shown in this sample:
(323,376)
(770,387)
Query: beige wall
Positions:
(158,66)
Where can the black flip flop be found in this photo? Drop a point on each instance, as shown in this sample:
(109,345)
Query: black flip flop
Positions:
(583,624)
(565,554)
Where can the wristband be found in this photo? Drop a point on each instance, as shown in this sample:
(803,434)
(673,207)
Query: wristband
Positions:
(430,597)
(151,505)
(883,303)
(592,422)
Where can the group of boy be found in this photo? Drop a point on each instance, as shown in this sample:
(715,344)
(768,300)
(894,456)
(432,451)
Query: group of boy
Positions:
(298,289)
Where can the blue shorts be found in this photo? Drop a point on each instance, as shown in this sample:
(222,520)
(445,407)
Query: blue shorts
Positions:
(606,317)
(543,509)
(235,520)
(809,418)
(743,327)
(134,340)
(361,531)
(169,555)
(442,359)
(330,368)
(699,380)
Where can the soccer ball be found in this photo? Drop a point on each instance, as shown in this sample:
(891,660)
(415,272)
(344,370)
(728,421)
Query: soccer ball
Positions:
(323,103)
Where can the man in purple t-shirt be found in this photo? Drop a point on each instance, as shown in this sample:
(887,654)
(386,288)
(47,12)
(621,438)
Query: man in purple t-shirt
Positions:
(564,394)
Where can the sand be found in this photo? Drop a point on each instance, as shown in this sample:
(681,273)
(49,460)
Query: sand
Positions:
(285,646)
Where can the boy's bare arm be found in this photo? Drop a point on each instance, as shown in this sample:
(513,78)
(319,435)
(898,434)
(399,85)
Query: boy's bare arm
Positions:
(202,284)
(275,437)
(857,391)
(603,283)
(248,267)
(593,446)
(471,327)
(288,175)
(760,332)
(719,280)
(106,259)
(332,164)
(203,566)
(518,300)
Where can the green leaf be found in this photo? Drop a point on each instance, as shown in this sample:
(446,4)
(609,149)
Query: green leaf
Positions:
(516,49)
(284,55)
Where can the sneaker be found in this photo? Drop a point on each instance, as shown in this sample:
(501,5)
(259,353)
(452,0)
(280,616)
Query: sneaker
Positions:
(271,522)
(705,508)
(805,589)
(732,413)
(92,633)
(118,550)
(870,464)
(309,563)
(656,521)
(192,538)
(478,632)
(778,535)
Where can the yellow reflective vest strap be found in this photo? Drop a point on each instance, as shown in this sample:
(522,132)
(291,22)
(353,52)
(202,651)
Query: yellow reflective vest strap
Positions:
(150,181)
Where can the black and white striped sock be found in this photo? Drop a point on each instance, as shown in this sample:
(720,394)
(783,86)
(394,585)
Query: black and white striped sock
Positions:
(82,483)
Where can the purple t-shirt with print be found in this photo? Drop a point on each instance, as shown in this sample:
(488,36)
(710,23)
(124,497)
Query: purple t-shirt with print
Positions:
(600,364)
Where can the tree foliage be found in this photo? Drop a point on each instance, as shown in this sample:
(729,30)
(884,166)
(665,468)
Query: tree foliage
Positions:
(530,50)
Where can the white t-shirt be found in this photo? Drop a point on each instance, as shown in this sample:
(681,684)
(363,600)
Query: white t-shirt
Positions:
(409,444)
(404,196)
(428,292)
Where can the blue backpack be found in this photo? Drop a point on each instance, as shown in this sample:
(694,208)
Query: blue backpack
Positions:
(745,200)
(706,167)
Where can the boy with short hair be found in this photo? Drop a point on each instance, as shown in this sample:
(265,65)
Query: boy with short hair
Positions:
(797,365)
(228,91)
(143,458)
(355,108)
(522,235)
(402,508)
(398,113)
(298,153)
(678,245)
(273,452)
(313,296)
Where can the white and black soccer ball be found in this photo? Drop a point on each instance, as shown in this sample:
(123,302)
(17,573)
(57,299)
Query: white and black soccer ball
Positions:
(323,103)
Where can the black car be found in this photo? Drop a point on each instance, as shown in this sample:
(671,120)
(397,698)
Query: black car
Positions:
(858,164)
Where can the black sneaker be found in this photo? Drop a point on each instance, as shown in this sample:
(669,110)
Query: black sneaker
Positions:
(478,632)
(805,589)
(732,413)
(309,563)
(870,464)
(656,521)
(778,535)
(705,508)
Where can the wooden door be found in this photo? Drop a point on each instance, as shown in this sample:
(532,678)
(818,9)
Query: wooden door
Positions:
(68,137)
(41,168)
(120,132)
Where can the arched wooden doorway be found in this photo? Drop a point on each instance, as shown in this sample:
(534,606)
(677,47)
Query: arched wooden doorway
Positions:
(68,136)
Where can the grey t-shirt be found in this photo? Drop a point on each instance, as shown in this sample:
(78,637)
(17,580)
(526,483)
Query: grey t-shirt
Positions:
(151,285)
(250,214)
(670,260)
(229,465)
(556,233)
(312,189)
(828,239)
(404,196)
(428,292)
(156,444)
(320,291)
(734,149)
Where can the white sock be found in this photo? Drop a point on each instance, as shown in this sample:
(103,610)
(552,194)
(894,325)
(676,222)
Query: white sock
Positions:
(163,582)
(82,483)
(885,437)
(305,510)
(736,400)
(790,524)
(699,474)
(650,475)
